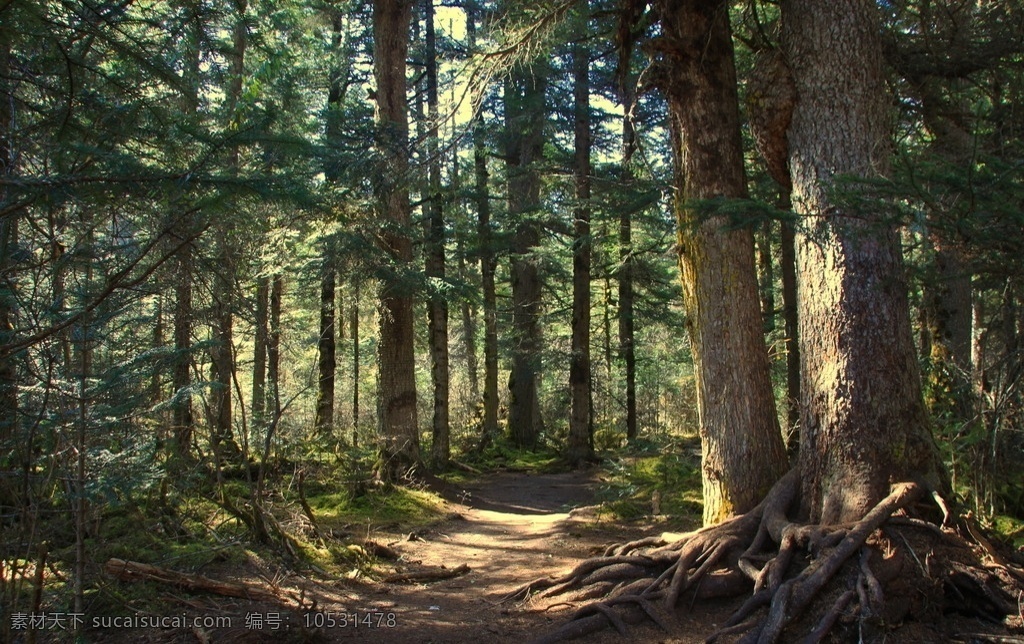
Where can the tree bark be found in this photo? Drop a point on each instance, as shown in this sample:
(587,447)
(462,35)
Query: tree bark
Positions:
(274,380)
(8,242)
(327,362)
(766,275)
(525,115)
(259,360)
(437,307)
(579,449)
(743,453)
(627,342)
(396,394)
(863,422)
(353,327)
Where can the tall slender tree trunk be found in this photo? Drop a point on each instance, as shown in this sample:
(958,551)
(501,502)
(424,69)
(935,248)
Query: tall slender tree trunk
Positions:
(743,453)
(467,308)
(863,422)
(259,360)
(525,115)
(787,266)
(488,262)
(437,307)
(182,374)
(579,449)
(396,397)
(327,362)
(627,336)
(222,353)
(353,326)
(222,350)
(948,301)
(327,343)
(8,242)
(183,421)
(766,275)
(469,322)
(274,346)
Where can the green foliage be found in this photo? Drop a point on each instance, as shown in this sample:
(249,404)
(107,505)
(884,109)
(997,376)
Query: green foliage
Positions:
(665,473)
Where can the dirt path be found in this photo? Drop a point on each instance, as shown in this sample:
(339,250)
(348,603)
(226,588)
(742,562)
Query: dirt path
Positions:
(509,528)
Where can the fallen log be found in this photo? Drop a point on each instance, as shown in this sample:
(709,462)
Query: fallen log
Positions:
(422,576)
(136,571)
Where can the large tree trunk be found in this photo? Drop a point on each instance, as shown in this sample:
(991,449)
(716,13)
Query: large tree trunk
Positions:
(579,449)
(863,422)
(525,115)
(396,397)
(743,453)
(437,307)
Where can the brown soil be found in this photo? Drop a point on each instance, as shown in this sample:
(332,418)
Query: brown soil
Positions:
(509,528)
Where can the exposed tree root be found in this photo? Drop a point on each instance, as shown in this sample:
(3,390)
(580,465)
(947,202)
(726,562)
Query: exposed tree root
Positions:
(803,580)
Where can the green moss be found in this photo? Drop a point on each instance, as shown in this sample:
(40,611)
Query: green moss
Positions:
(396,505)
(672,473)
(1010,529)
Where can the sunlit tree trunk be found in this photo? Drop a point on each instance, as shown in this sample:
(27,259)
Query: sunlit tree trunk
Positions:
(579,449)
(396,398)
(863,422)
(743,453)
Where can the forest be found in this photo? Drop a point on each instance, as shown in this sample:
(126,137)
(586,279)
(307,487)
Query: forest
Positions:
(282,282)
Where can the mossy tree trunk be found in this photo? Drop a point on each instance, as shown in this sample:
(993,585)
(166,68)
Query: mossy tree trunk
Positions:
(743,453)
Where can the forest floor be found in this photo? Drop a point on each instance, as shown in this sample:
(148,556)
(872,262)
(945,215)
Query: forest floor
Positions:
(509,528)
